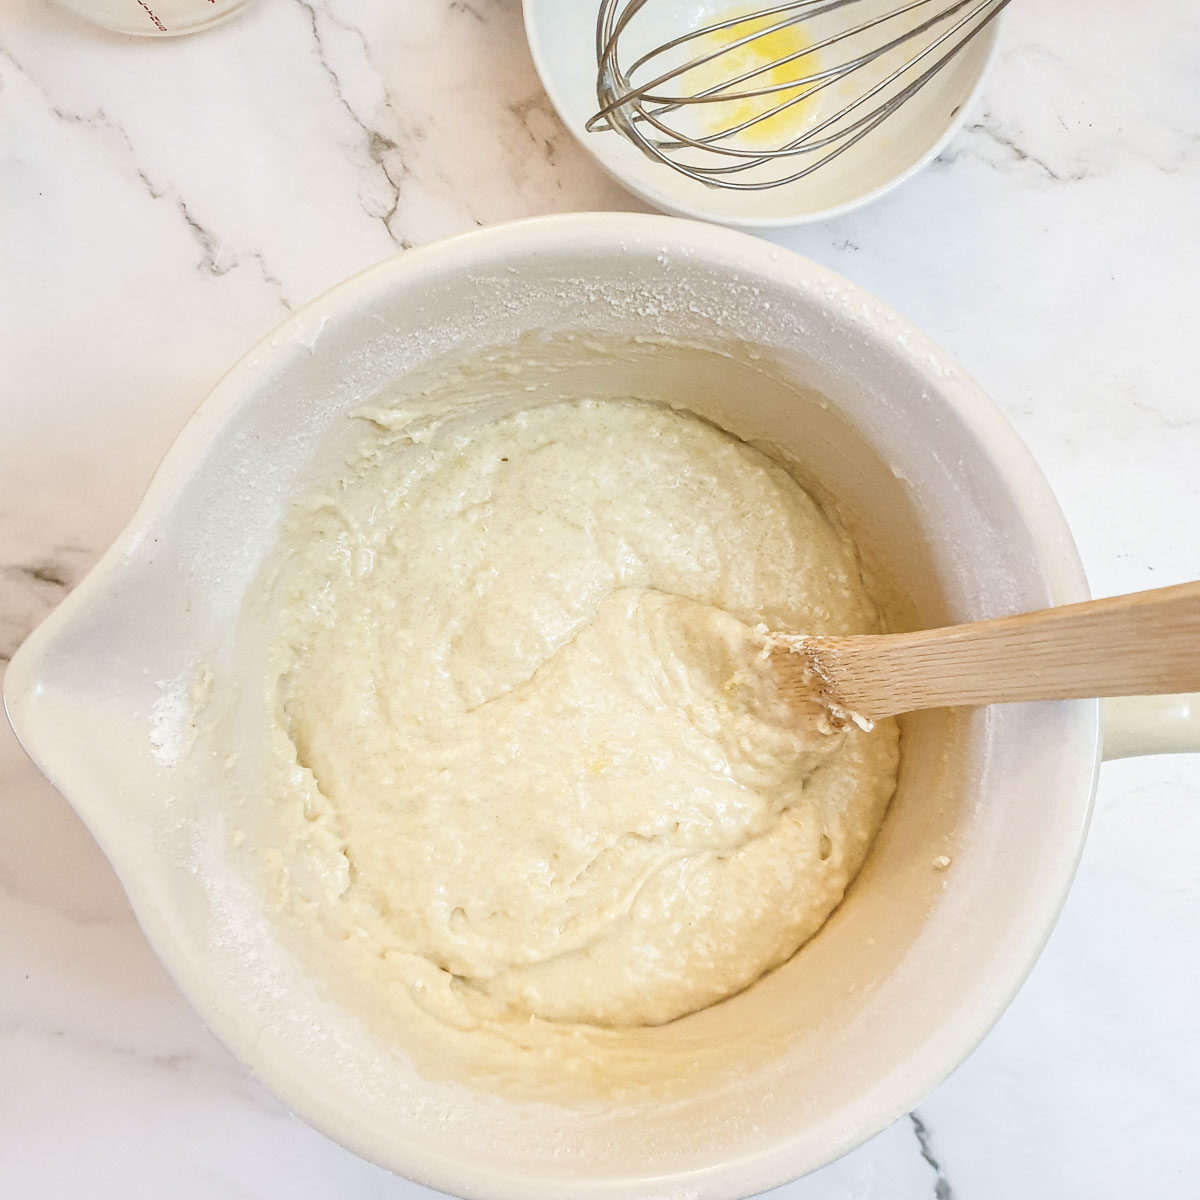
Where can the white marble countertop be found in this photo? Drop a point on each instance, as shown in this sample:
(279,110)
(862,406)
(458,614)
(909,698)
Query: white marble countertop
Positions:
(163,204)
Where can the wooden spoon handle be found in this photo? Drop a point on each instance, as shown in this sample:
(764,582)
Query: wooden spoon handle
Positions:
(1141,644)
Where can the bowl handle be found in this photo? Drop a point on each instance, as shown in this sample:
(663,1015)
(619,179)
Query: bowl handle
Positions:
(1136,725)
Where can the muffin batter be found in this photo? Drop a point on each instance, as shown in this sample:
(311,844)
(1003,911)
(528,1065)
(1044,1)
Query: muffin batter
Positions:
(523,759)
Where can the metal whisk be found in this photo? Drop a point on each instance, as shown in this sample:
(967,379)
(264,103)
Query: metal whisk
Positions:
(764,97)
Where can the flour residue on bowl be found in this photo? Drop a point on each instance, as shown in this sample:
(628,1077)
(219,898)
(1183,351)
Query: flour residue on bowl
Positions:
(174,714)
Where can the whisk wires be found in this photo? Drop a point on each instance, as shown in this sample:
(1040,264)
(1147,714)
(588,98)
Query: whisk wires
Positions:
(660,114)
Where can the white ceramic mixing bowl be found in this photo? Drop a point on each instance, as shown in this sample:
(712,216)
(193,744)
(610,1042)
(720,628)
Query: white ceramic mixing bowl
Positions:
(918,962)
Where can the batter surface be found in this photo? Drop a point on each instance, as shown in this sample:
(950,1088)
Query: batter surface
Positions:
(523,760)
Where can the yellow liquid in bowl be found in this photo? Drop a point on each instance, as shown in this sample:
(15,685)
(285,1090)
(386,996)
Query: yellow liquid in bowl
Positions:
(718,115)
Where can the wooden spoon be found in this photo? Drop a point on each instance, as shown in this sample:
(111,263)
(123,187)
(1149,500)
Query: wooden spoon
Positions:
(1146,643)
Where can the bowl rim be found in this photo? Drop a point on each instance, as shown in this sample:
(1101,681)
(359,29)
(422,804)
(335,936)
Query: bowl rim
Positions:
(668,202)
(932,1060)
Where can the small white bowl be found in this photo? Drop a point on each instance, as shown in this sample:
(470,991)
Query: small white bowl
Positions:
(562,40)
